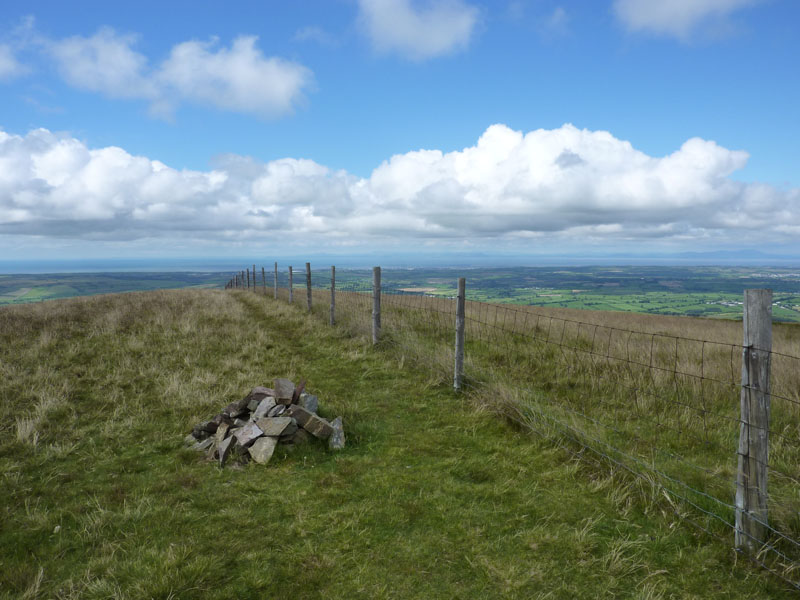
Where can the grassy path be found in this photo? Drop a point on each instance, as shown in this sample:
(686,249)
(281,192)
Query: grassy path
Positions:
(430,499)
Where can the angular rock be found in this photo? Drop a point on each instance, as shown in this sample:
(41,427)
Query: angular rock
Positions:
(262,449)
(315,425)
(223,418)
(284,390)
(240,422)
(253,404)
(274,426)
(309,402)
(298,390)
(204,445)
(276,411)
(222,432)
(189,440)
(225,449)
(234,409)
(264,406)
(291,428)
(199,434)
(209,426)
(301,436)
(336,440)
(248,434)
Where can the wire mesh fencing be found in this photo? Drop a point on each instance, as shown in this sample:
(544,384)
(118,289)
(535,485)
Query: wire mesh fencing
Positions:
(672,411)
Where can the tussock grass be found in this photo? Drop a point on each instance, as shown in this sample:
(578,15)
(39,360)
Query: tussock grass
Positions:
(431,498)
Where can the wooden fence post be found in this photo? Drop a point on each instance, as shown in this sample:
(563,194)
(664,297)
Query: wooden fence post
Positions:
(308,285)
(376,304)
(751,478)
(255,287)
(458,373)
(275,287)
(333,295)
(248,278)
(264,281)
(291,286)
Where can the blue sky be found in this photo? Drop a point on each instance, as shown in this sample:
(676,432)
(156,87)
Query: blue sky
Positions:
(195,129)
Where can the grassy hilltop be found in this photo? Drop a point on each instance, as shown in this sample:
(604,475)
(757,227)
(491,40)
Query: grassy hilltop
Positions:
(434,496)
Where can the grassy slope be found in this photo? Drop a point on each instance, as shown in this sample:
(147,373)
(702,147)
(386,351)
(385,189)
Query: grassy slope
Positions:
(431,499)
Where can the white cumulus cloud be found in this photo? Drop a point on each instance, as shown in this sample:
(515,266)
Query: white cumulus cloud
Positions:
(561,184)
(432,29)
(674,17)
(239,78)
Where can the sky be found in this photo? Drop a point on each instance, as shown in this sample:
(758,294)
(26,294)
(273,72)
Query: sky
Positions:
(408,127)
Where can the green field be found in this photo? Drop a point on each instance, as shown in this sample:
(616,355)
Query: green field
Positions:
(714,292)
(435,495)
(20,289)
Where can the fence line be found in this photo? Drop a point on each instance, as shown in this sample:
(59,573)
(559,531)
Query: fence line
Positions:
(699,419)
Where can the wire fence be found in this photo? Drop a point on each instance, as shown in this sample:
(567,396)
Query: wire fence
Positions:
(674,412)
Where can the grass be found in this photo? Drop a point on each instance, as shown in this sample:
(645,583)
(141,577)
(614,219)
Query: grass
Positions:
(432,498)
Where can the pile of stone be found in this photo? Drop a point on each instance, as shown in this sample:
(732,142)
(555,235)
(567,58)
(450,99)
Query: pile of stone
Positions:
(252,427)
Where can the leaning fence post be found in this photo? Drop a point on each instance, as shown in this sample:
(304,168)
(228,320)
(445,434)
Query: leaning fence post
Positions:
(751,478)
(376,304)
(255,287)
(308,285)
(275,284)
(291,287)
(333,295)
(458,373)
(248,278)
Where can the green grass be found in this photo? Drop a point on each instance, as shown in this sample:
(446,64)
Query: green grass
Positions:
(432,498)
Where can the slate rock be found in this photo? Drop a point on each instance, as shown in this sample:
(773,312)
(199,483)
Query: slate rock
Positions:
(315,425)
(225,449)
(253,404)
(248,434)
(209,426)
(284,390)
(234,409)
(301,436)
(274,426)
(291,428)
(204,445)
(336,440)
(277,410)
(222,432)
(189,440)
(309,401)
(239,422)
(199,434)
(264,406)
(223,418)
(262,449)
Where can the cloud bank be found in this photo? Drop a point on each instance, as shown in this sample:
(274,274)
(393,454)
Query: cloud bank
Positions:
(565,184)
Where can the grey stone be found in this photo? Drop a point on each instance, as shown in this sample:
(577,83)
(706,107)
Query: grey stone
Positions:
(204,445)
(284,389)
(253,404)
(234,409)
(209,426)
(264,406)
(315,425)
(336,440)
(274,426)
(248,434)
(262,449)
(301,436)
(225,449)
(222,432)
(277,410)
(239,422)
(189,440)
(309,402)
(199,434)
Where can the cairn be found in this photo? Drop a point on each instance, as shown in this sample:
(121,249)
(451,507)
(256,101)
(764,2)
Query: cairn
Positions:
(251,428)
